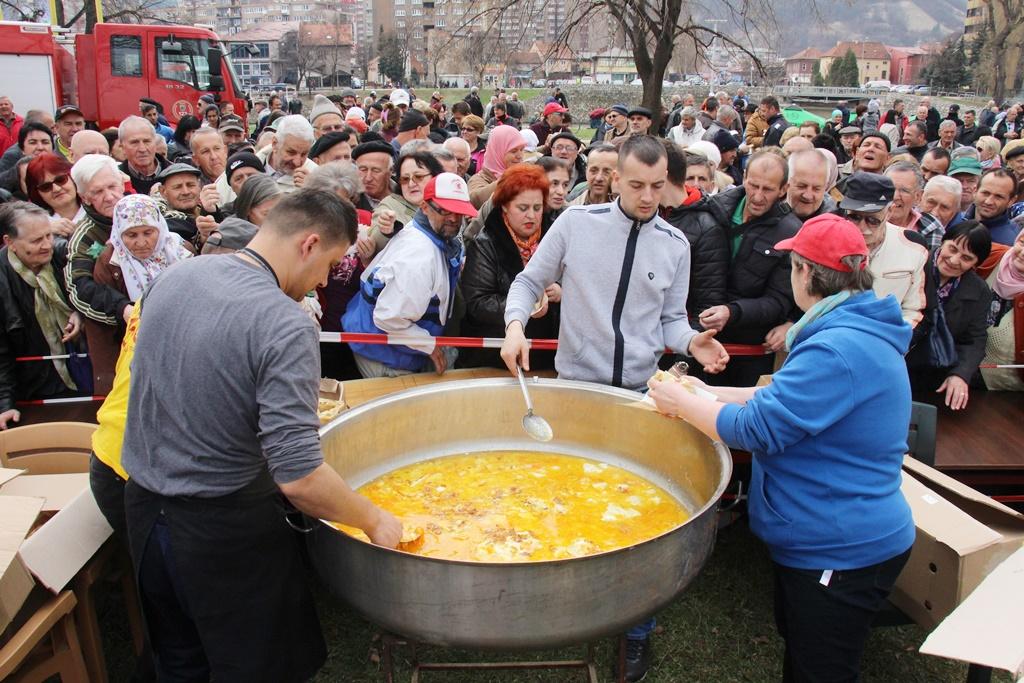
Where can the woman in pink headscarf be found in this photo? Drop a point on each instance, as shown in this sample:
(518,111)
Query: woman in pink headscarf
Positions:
(504,148)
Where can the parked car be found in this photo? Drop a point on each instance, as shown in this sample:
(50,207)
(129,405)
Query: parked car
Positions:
(588,80)
(636,81)
(922,90)
(539,83)
(876,85)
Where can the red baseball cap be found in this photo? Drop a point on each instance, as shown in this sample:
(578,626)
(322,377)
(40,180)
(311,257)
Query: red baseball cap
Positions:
(450,192)
(825,240)
(554,107)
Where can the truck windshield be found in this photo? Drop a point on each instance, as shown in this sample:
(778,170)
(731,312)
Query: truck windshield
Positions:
(187,65)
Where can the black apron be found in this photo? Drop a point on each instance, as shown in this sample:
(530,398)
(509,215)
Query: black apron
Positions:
(240,567)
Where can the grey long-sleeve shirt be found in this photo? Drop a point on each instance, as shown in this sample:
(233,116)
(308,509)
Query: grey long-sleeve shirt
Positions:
(624,288)
(224,382)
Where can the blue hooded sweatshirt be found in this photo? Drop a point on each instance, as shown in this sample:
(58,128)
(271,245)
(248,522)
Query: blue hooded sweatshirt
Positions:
(828,437)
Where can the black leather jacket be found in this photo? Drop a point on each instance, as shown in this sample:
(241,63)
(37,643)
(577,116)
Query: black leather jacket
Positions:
(492,263)
(702,223)
(20,335)
(759,292)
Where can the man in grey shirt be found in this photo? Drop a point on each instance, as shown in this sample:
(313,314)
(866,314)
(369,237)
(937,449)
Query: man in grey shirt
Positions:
(222,419)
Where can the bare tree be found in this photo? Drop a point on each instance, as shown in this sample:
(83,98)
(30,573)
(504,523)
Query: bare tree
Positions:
(296,57)
(1002,41)
(25,11)
(654,29)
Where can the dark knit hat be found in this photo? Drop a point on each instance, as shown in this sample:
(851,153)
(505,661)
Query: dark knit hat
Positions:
(243,160)
(326,141)
(412,120)
(725,141)
(371,147)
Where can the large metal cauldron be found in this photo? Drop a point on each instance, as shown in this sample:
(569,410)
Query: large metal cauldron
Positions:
(521,605)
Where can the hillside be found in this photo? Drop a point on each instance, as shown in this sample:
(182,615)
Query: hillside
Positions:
(893,22)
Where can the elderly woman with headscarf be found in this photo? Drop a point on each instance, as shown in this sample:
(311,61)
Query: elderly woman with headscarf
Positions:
(827,436)
(140,248)
(504,148)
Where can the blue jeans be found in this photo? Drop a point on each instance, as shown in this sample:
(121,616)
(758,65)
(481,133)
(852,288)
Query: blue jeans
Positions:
(641,631)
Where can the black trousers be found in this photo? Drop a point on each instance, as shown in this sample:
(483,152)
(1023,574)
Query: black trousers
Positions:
(108,490)
(825,626)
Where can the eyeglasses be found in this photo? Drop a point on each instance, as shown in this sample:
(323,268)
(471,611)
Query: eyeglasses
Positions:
(419,179)
(468,129)
(444,212)
(870,221)
(59,180)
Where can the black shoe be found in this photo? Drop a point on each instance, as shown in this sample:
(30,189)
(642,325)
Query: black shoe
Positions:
(638,658)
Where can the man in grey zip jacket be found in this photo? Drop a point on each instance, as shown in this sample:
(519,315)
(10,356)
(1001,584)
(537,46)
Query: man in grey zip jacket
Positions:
(624,273)
(625,276)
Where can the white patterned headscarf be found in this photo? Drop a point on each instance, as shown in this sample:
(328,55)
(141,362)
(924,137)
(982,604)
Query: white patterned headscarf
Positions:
(133,211)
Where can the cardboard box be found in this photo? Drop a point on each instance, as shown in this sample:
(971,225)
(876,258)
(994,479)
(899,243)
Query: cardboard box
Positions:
(51,548)
(17,515)
(962,535)
(985,629)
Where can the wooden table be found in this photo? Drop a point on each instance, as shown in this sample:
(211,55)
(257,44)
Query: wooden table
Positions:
(60,412)
(983,445)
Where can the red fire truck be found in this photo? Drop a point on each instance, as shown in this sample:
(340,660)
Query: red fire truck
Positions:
(106,72)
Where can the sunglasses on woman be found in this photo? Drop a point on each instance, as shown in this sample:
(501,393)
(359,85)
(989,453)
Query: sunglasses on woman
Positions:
(59,180)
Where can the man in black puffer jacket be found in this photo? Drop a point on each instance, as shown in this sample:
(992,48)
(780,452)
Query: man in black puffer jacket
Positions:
(694,214)
(759,295)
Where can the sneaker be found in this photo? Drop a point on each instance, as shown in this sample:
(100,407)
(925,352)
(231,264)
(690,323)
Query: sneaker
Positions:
(638,658)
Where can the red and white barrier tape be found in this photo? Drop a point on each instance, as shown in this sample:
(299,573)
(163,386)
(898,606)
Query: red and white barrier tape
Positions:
(58,357)
(57,401)
(489,342)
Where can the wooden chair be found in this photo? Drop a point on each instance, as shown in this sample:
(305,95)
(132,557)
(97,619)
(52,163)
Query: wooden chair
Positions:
(49,448)
(46,646)
(60,448)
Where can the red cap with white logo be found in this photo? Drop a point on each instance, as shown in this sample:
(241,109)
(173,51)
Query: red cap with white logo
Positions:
(450,192)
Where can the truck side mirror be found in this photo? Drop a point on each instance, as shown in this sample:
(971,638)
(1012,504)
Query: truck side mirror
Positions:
(215,58)
(216,83)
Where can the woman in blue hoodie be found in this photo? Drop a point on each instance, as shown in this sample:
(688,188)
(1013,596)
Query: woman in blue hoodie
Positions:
(828,437)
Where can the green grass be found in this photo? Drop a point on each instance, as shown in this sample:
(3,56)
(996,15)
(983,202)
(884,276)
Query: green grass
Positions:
(720,630)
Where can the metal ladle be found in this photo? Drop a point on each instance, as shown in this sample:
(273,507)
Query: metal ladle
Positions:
(535,425)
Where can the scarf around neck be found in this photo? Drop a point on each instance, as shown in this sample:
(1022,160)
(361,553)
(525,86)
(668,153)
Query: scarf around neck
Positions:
(51,311)
(816,311)
(1009,282)
(528,247)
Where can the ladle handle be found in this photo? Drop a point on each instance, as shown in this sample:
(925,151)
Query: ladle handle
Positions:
(522,384)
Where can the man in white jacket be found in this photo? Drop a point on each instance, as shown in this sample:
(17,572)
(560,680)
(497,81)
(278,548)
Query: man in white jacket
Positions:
(689,129)
(897,256)
(408,290)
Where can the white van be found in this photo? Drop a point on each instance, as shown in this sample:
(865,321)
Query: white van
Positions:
(877,85)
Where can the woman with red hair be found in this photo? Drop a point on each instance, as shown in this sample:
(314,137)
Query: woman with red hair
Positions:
(49,184)
(510,237)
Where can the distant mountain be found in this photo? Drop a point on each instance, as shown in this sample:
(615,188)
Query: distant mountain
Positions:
(893,22)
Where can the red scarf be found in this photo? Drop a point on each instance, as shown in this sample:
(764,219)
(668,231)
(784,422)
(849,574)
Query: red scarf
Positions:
(528,247)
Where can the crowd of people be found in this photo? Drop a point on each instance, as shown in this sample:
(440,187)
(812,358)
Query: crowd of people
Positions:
(492,220)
